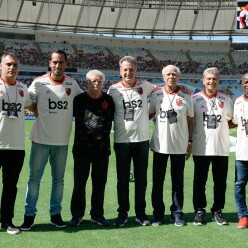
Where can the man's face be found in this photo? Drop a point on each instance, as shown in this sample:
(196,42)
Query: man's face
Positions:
(58,65)
(245,84)
(171,77)
(95,84)
(211,81)
(128,72)
(10,68)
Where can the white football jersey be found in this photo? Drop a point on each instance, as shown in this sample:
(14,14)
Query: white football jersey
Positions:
(12,134)
(211,141)
(131,120)
(55,107)
(170,138)
(240,117)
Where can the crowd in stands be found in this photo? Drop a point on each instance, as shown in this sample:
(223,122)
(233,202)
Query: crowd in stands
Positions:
(89,56)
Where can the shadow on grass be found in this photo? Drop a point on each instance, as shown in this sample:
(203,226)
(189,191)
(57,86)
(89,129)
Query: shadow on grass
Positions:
(88,225)
(85,225)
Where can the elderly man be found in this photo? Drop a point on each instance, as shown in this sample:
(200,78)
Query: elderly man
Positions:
(94,112)
(213,112)
(172,137)
(131,138)
(13,98)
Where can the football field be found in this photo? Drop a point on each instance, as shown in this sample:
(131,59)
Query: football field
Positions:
(87,234)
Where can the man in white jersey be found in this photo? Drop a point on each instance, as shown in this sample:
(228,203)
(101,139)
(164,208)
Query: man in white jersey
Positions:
(213,111)
(172,137)
(240,117)
(13,98)
(131,138)
(54,93)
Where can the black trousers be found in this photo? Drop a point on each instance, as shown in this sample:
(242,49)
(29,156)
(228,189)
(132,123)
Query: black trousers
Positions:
(11,162)
(219,172)
(99,170)
(177,181)
(125,153)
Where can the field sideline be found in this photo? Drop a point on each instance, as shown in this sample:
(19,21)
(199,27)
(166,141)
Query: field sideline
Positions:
(132,235)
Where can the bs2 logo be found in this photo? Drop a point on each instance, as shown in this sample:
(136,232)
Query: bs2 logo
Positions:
(5,106)
(57,105)
(206,116)
(132,104)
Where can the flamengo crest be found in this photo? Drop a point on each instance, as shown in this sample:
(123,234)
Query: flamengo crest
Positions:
(68,91)
(140,90)
(21,93)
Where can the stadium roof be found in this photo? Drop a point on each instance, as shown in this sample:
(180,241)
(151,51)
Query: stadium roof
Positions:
(123,17)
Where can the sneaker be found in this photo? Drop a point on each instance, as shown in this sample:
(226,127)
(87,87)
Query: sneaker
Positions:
(199,218)
(121,220)
(101,221)
(243,222)
(28,223)
(143,220)
(218,217)
(57,221)
(178,220)
(156,222)
(75,221)
(10,228)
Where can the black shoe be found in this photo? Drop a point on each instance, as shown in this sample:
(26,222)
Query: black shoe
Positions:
(10,228)
(121,220)
(57,221)
(143,220)
(101,221)
(218,217)
(28,223)
(199,218)
(157,222)
(75,221)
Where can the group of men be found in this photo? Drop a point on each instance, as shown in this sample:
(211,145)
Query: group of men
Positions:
(184,124)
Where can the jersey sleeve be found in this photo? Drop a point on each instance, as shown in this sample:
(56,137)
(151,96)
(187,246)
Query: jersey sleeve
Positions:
(78,90)
(190,109)
(33,90)
(152,108)
(235,114)
(150,88)
(28,100)
(229,112)
(110,90)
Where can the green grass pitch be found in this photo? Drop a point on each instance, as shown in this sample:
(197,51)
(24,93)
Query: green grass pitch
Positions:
(132,235)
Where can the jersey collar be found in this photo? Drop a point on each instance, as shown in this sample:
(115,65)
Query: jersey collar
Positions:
(5,82)
(56,82)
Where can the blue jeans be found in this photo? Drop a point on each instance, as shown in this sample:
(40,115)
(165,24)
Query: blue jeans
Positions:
(241,178)
(177,180)
(125,152)
(38,159)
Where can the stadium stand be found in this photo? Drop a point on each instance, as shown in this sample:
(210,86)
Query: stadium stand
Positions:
(103,53)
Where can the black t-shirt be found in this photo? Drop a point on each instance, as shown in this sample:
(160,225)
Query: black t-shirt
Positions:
(93,121)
